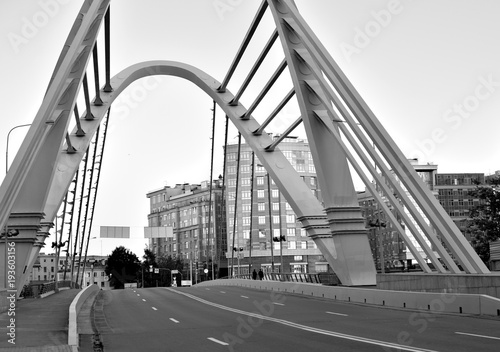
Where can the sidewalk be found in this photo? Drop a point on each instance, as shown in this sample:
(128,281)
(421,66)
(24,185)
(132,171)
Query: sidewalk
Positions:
(41,324)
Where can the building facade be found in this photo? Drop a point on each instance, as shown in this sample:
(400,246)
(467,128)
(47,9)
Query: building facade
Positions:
(266,232)
(185,209)
(454,194)
(386,244)
(92,271)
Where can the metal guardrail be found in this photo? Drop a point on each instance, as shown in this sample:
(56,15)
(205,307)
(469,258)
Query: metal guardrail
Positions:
(314,278)
(36,290)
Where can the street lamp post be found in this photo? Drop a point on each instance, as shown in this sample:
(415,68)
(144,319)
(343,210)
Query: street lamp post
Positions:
(7,146)
(8,233)
(270,219)
(377,224)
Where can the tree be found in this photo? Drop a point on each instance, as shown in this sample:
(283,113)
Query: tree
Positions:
(149,260)
(168,263)
(122,266)
(484,224)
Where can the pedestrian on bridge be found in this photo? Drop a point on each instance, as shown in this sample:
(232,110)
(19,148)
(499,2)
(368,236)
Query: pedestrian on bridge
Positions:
(254,275)
(261,274)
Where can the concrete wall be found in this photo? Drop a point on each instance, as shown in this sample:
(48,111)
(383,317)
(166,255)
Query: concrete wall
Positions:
(74,309)
(419,282)
(433,302)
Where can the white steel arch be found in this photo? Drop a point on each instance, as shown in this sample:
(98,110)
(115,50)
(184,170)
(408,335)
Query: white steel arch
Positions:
(42,171)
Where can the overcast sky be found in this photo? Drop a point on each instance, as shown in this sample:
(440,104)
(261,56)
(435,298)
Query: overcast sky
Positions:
(429,69)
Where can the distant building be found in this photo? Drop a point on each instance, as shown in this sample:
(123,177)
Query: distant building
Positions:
(385,242)
(45,269)
(255,227)
(454,194)
(185,208)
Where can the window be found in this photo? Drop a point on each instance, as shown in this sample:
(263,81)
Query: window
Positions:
(261,206)
(290,231)
(246,220)
(313,181)
(276,219)
(275,193)
(262,220)
(303,244)
(260,193)
(290,218)
(292,245)
(321,267)
(260,180)
(276,206)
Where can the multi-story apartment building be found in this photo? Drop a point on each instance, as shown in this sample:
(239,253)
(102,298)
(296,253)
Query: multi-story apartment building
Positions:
(384,241)
(255,223)
(185,208)
(44,269)
(454,194)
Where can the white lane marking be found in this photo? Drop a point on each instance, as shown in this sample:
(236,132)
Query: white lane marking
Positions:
(278,304)
(154,308)
(144,300)
(175,321)
(218,341)
(244,297)
(484,336)
(138,295)
(343,315)
(207,289)
(222,291)
(308,328)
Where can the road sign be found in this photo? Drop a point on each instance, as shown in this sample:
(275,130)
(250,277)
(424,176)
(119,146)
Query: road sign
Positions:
(175,271)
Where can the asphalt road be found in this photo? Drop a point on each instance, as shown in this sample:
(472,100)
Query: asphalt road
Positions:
(238,319)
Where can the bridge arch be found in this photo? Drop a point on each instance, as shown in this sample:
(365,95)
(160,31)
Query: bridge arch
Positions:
(41,172)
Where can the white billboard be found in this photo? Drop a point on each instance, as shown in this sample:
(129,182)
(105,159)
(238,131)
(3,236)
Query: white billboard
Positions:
(115,232)
(159,232)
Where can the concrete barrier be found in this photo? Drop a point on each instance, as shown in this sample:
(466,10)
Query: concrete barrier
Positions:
(484,284)
(444,302)
(74,309)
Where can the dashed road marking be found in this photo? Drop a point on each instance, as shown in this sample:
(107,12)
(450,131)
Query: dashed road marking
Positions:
(144,300)
(244,297)
(154,308)
(475,335)
(218,341)
(175,321)
(343,315)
